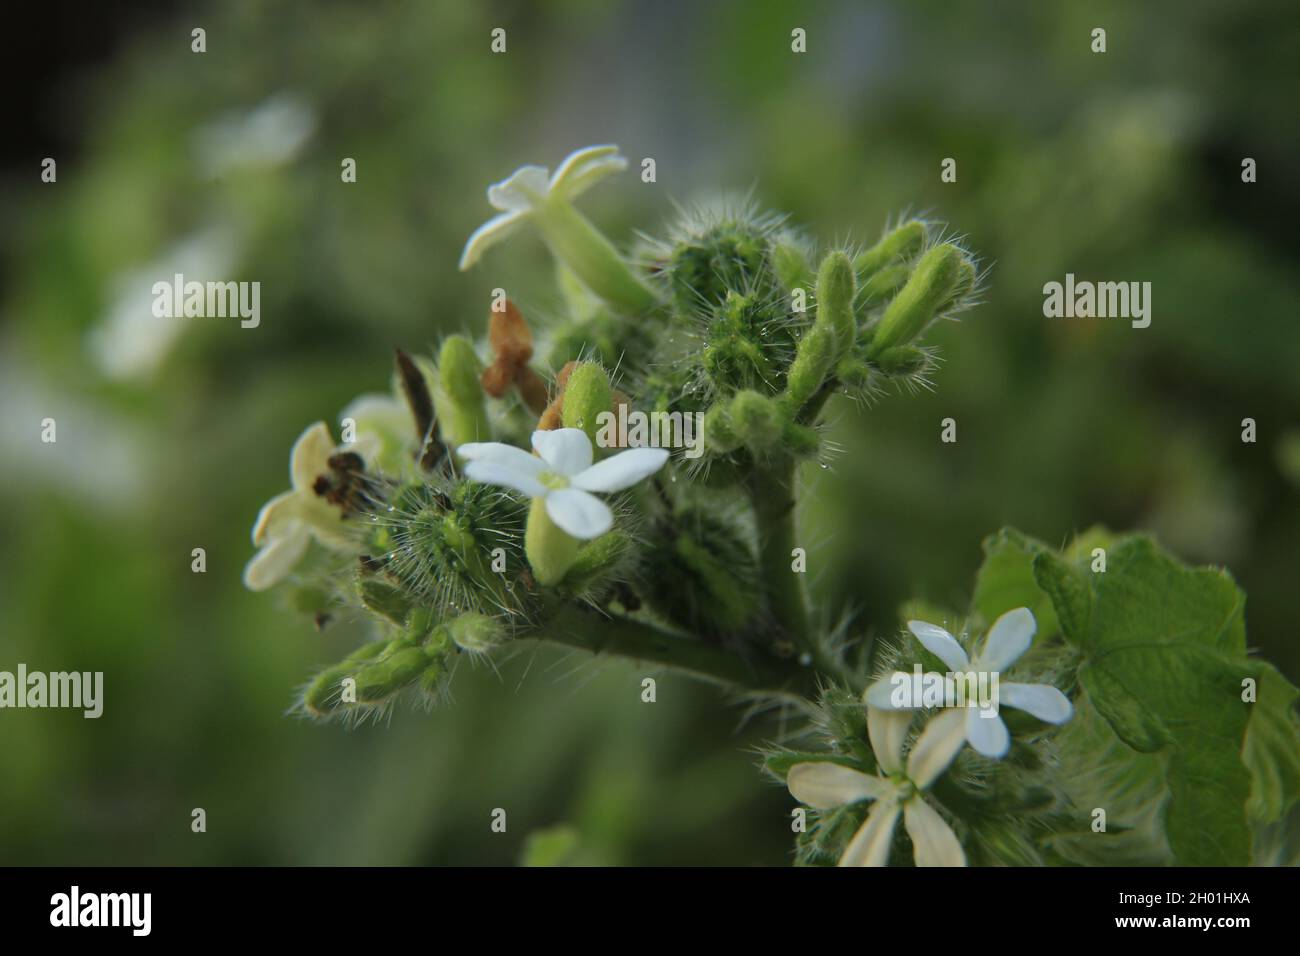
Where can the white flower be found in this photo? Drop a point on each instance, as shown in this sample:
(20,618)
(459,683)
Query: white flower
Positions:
(1009,637)
(529,185)
(563,476)
(898,789)
(288,522)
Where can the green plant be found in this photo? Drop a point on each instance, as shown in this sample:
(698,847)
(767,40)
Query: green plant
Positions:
(727,337)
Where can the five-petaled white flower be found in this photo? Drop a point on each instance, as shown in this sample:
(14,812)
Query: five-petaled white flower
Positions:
(1009,637)
(898,789)
(563,476)
(529,185)
(287,523)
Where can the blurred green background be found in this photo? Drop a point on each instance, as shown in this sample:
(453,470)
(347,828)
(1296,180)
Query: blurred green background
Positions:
(1120,166)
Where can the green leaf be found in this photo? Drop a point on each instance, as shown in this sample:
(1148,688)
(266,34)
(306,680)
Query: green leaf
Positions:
(1272,748)
(1133,722)
(1070,592)
(1006,581)
(1164,656)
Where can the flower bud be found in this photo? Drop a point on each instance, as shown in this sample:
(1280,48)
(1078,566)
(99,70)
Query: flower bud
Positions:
(831,335)
(936,277)
(476,633)
(460,394)
(899,245)
(586,395)
(382,678)
(756,420)
(791,265)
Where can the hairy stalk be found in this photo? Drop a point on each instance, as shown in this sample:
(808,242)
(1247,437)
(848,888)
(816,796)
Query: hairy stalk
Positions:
(640,641)
(772,492)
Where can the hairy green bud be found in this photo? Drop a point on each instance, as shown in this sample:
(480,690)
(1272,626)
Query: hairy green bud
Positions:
(728,257)
(818,351)
(476,633)
(831,335)
(756,420)
(384,599)
(459,398)
(930,288)
(884,284)
(791,265)
(386,676)
(598,564)
(322,696)
(586,395)
(722,438)
(902,360)
(898,245)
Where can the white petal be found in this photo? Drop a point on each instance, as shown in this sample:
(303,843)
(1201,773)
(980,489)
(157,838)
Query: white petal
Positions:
(584,168)
(941,644)
(310,456)
(986,732)
(1009,637)
(827,785)
(275,516)
(870,845)
(488,235)
(277,559)
(938,744)
(933,842)
(512,193)
(578,513)
(622,470)
(566,450)
(1042,700)
(887,730)
(516,459)
(494,473)
(894,692)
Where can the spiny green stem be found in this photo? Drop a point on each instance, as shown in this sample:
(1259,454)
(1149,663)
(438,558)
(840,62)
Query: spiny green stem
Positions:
(772,493)
(636,640)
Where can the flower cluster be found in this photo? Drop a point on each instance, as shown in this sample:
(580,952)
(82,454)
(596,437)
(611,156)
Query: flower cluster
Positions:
(481,502)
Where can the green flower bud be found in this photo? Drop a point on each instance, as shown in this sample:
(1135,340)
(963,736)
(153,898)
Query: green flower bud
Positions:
(902,360)
(323,696)
(386,676)
(836,286)
(459,398)
(476,633)
(961,287)
(791,265)
(586,395)
(384,600)
(550,551)
(900,244)
(757,421)
(936,277)
(884,284)
(831,335)
(721,437)
(818,351)
(598,564)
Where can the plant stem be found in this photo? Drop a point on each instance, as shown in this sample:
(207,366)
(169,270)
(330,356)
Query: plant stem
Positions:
(637,640)
(772,493)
